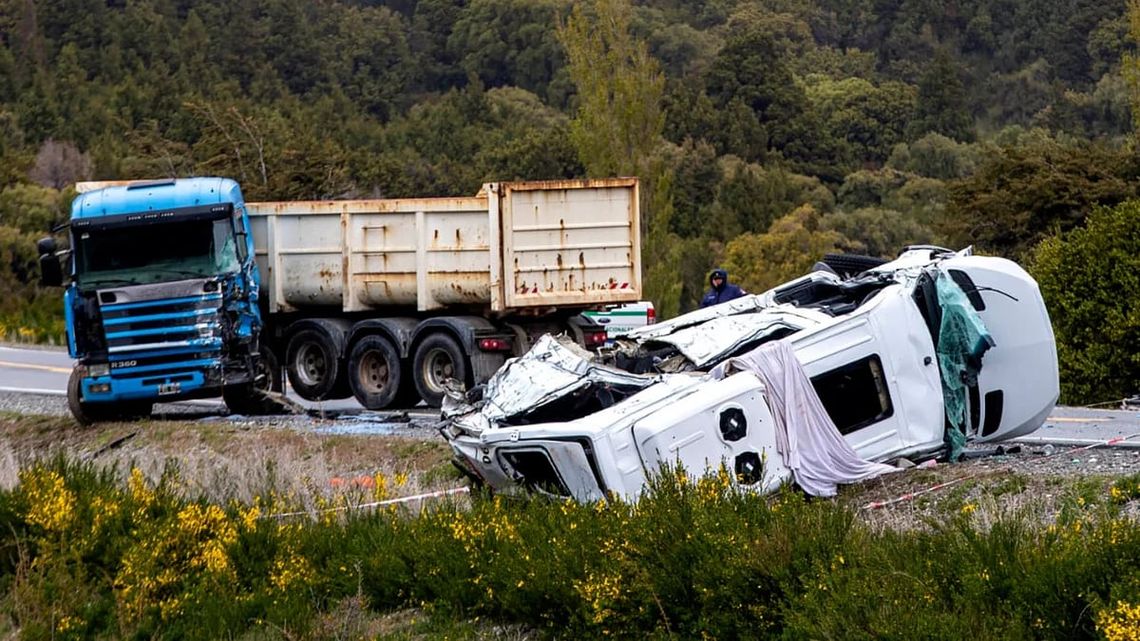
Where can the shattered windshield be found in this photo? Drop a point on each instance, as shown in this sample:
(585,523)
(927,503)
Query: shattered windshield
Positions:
(156,253)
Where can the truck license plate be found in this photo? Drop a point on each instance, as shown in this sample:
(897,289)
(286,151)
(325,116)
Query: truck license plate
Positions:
(169,388)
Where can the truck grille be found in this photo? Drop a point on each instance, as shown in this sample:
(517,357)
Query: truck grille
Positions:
(163,335)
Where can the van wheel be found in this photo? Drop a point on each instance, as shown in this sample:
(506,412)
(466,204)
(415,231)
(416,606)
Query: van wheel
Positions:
(847,265)
(438,359)
(375,373)
(87,413)
(314,366)
(252,398)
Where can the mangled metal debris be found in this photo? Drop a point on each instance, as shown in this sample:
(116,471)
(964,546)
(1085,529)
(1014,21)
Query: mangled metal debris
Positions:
(893,355)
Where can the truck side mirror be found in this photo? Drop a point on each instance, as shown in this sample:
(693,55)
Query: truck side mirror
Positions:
(51,273)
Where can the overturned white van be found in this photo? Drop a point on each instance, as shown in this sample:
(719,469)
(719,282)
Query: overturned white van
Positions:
(906,359)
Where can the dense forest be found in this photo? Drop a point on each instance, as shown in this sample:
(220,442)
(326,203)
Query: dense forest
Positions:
(765,133)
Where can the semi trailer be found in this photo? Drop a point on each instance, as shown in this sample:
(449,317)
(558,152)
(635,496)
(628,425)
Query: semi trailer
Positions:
(180,289)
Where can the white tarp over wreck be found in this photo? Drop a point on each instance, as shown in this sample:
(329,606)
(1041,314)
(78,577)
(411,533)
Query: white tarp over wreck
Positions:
(806,438)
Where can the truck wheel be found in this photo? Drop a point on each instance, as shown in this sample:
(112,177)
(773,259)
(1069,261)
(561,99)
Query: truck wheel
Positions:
(313,366)
(438,359)
(87,413)
(374,373)
(250,398)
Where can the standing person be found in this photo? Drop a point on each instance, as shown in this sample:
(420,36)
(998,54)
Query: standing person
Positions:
(722,290)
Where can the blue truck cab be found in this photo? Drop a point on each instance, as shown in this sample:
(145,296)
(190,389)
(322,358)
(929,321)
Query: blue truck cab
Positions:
(162,299)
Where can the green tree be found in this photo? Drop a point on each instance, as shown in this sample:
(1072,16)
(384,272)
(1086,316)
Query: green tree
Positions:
(877,231)
(935,156)
(1131,63)
(872,119)
(1090,280)
(788,250)
(618,126)
(31,209)
(619,120)
(510,43)
(941,106)
(1020,194)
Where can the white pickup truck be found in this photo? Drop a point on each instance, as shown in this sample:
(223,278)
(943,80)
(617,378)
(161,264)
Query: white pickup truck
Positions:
(620,320)
(886,351)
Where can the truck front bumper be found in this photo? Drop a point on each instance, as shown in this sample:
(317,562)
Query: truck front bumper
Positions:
(196,381)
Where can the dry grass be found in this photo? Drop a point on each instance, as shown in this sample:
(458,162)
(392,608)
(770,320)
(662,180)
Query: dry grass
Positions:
(221,461)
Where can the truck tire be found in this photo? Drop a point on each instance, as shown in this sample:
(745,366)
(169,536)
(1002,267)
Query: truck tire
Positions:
(438,358)
(250,398)
(314,367)
(847,265)
(87,413)
(375,373)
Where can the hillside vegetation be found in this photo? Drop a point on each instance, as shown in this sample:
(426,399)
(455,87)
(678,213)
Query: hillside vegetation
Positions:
(765,134)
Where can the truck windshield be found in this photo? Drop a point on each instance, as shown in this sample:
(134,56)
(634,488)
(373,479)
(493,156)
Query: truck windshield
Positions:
(156,253)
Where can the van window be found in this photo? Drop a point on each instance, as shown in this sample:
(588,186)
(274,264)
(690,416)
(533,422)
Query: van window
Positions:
(856,394)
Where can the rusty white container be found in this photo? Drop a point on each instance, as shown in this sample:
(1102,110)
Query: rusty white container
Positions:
(513,247)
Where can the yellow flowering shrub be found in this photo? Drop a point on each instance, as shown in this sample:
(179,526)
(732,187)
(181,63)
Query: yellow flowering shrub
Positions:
(174,559)
(51,505)
(1120,623)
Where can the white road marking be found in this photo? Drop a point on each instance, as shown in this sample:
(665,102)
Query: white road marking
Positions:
(34,390)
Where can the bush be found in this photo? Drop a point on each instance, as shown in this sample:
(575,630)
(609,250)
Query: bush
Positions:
(1090,279)
(691,559)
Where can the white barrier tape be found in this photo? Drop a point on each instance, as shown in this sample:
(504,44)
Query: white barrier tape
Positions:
(874,505)
(402,499)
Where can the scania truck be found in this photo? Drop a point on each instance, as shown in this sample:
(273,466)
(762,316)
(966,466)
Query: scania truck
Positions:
(180,289)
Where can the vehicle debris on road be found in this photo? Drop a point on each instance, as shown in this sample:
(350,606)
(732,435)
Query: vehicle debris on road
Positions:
(910,358)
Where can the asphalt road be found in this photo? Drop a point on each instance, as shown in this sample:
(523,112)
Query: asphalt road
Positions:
(45,371)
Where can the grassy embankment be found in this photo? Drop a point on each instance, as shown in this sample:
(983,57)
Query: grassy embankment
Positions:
(95,548)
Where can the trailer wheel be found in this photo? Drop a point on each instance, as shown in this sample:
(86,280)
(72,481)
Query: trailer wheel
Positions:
(252,398)
(438,359)
(313,366)
(87,413)
(375,374)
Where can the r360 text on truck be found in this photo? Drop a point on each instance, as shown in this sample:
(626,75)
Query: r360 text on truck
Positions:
(180,289)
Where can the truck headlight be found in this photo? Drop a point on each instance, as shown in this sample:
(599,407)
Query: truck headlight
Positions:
(99,369)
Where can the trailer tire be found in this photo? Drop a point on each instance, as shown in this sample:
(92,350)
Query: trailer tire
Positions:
(847,265)
(249,398)
(314,367)
(438,358)
(375,373)
(87,413)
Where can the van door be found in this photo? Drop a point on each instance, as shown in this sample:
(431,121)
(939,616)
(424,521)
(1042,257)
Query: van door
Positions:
(877,374)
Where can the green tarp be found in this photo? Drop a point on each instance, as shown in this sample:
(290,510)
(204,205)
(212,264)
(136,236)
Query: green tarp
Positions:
(962,340)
